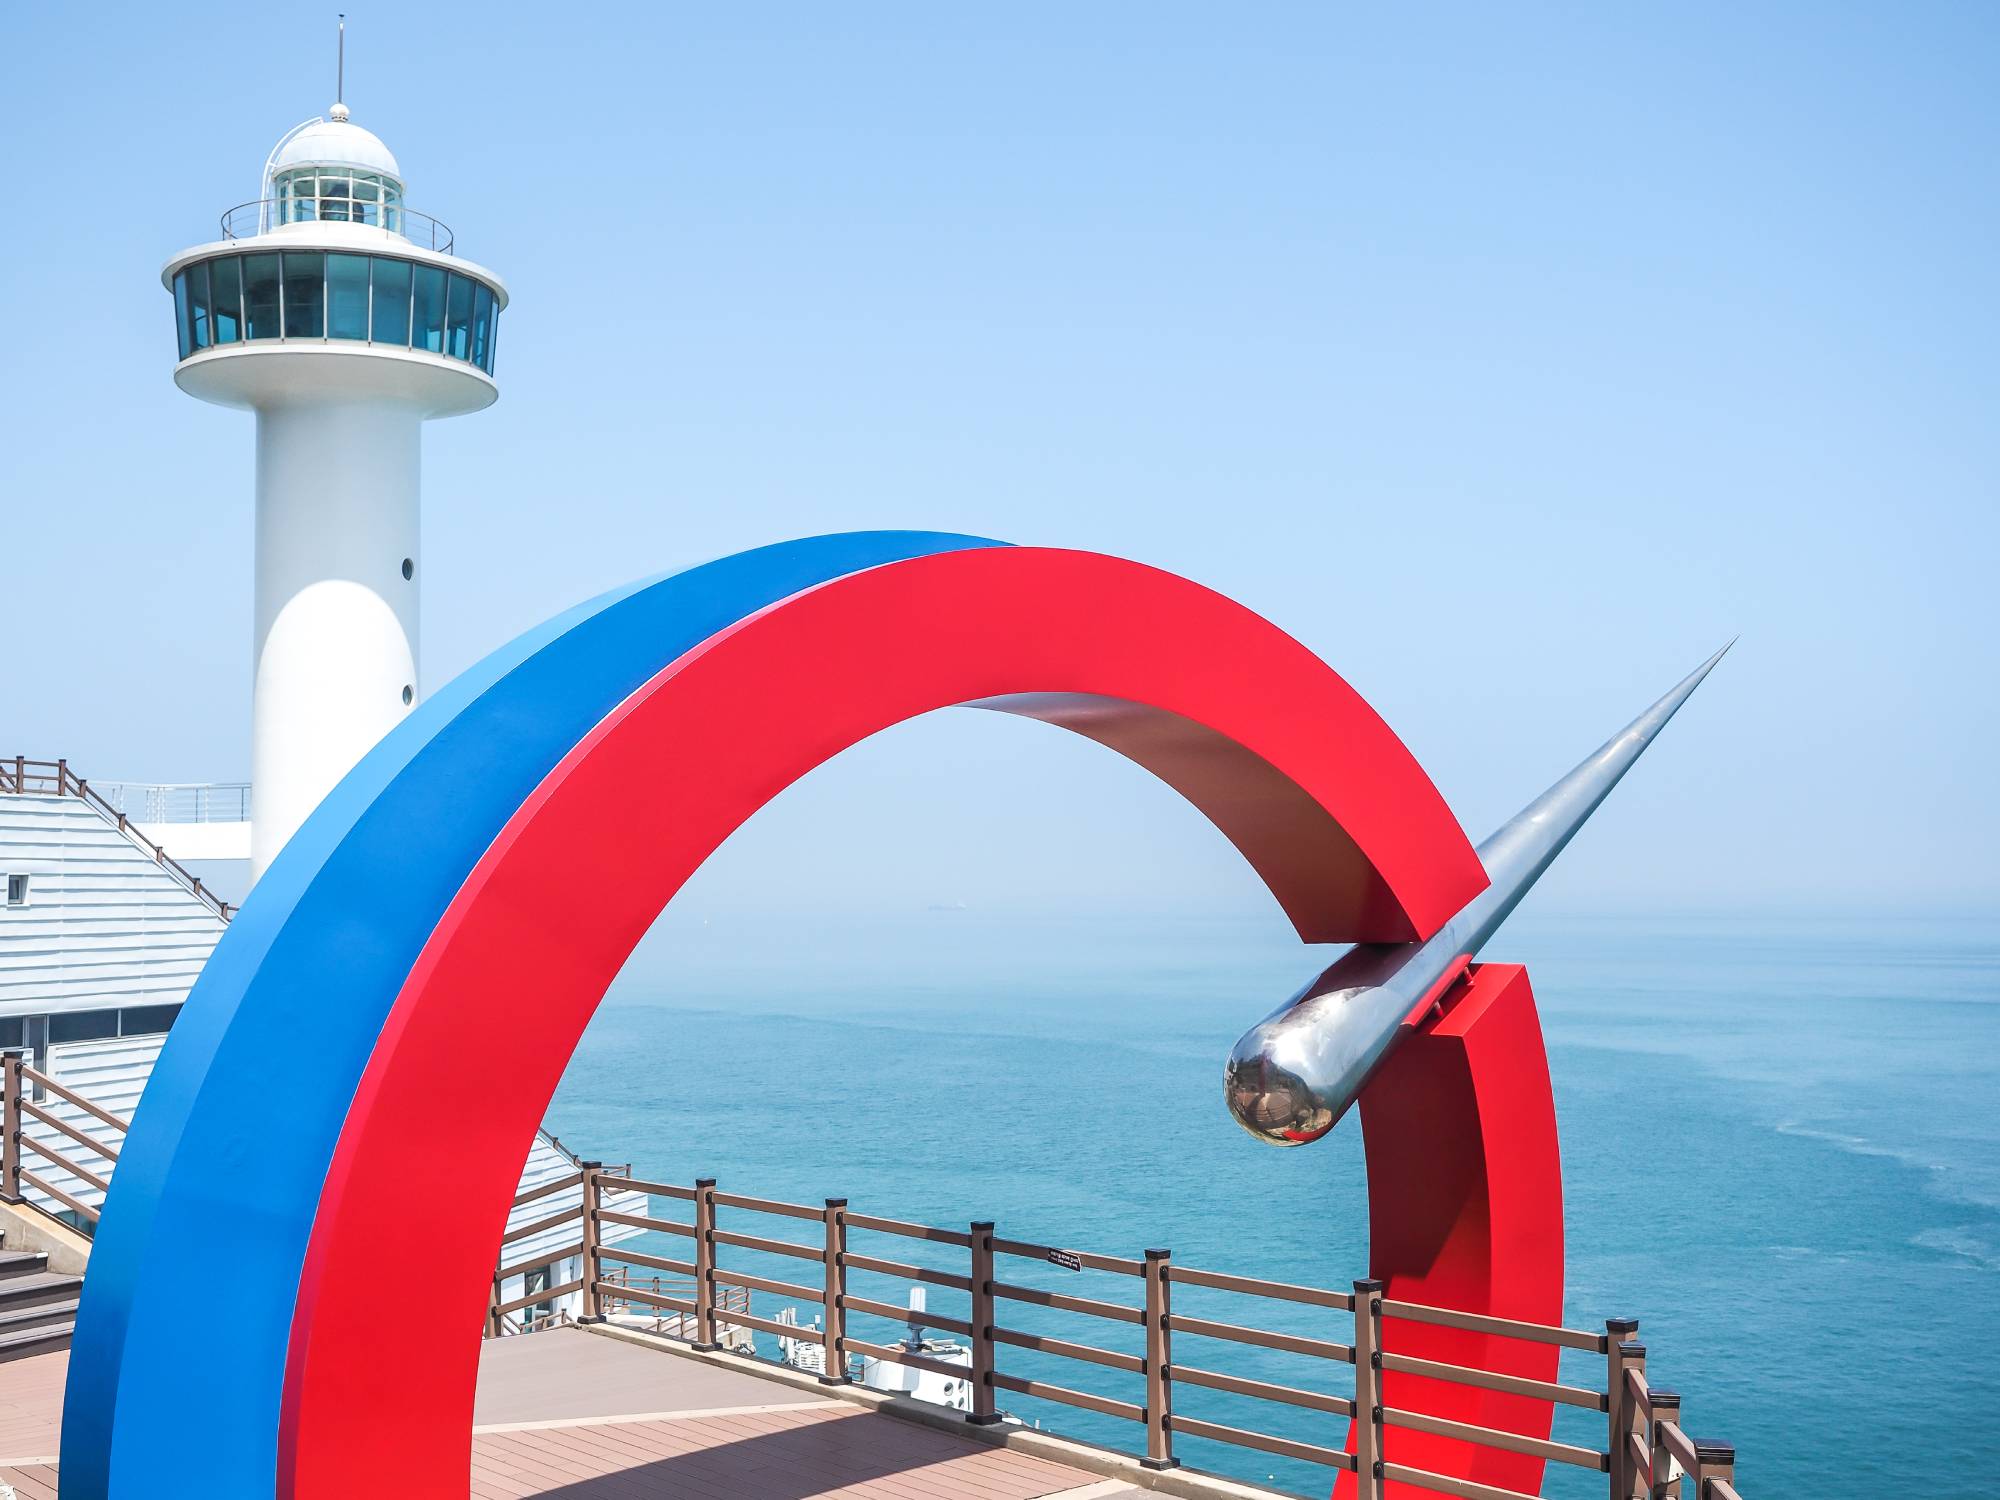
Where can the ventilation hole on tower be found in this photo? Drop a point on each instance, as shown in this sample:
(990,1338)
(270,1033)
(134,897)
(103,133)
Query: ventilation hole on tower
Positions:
(409,695)
(409,568)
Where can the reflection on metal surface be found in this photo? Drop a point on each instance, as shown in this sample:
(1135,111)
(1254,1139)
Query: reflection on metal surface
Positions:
(1295,1073)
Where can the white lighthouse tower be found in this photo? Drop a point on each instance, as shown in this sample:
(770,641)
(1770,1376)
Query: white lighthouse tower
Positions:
(344,320)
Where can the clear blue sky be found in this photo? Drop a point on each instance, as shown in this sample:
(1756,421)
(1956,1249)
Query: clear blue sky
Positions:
(1513,357)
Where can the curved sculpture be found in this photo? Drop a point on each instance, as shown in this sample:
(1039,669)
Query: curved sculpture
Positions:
(435,938)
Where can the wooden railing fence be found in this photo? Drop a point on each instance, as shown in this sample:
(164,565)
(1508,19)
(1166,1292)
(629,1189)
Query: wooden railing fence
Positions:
(27,1094)
(54,778)
(1647,1453)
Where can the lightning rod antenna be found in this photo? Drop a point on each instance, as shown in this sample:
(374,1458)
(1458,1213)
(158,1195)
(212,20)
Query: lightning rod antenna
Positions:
(340,68)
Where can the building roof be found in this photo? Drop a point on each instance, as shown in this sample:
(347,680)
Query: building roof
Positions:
(337,142)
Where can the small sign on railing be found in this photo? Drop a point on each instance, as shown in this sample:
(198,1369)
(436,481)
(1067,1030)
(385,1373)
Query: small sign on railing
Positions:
(1067,1259)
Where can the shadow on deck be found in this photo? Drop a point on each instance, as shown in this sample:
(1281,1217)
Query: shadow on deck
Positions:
(570,1415)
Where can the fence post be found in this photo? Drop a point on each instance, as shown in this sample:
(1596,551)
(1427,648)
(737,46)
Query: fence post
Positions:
(833,1316)
(1666,1408)
(493,1311)
(10,1154)
(1368,1390)
(1159,1363)
(62,776)
(593,1270)
(1714,1460)
(1627,1423)
(704,1264)
(1618,1332)
(985,1409)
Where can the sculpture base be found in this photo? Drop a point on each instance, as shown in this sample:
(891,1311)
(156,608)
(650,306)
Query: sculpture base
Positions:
(1465,1211)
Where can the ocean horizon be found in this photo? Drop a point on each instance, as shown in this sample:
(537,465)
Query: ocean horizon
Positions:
(1781,1145)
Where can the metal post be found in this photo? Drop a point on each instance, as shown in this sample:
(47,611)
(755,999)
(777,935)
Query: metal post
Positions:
(1618,1332)
(10,1155)
(493,1311)
(1666,1484)
(1713,1460)
(985,1410)
(593,1269)
(1159,1364)
(833,1314)
(704,1264)
(1368,1390)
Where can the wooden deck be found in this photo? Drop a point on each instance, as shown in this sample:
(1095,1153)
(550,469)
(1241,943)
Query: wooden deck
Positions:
(569,1415)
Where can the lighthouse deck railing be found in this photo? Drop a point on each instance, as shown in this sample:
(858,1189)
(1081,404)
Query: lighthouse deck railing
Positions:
(54,778)
(1646,1452)
(247,221)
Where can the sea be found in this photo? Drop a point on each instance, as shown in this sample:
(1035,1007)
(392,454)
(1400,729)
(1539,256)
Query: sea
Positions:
(1781,1153)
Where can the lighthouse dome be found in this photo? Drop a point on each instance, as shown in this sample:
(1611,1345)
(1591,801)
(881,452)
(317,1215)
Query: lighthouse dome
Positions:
(337,142)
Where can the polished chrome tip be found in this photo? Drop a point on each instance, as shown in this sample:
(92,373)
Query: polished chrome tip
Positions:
(1295,1073)
(1269,1100)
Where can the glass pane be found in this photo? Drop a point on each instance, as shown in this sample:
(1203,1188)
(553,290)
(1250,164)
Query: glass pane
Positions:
(368,188)
(347,296)
(392,302)
(482,322)
(492,337)
(226,296)
(304,210)
(305,294)
(260,296)
(83,1026)
(198,302)
(458,319)
(333,187)
(146,1020)
(181,313)
(427,313)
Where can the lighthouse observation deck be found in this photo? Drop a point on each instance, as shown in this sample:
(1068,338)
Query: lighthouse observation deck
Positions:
(331,261)
(301,288)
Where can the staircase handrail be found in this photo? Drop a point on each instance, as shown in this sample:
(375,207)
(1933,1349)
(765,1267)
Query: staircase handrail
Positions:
(55,778)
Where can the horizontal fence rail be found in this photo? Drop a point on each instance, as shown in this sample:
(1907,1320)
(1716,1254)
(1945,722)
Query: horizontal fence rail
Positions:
(700,1301)
(54,778)
(30,1096)
(178,802)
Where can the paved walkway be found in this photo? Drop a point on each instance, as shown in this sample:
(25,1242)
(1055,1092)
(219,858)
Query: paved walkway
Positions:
(568,1415)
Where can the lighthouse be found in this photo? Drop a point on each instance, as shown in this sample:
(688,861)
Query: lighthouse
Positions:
(344,319)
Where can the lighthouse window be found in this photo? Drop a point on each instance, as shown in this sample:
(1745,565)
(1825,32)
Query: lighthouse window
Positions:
(198,304)
(260,296)
(305,294)
(185,328)
(347,296)
(333,199)
(458,319)
(427,310)
(482,323)
(392,302)
(226,299)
